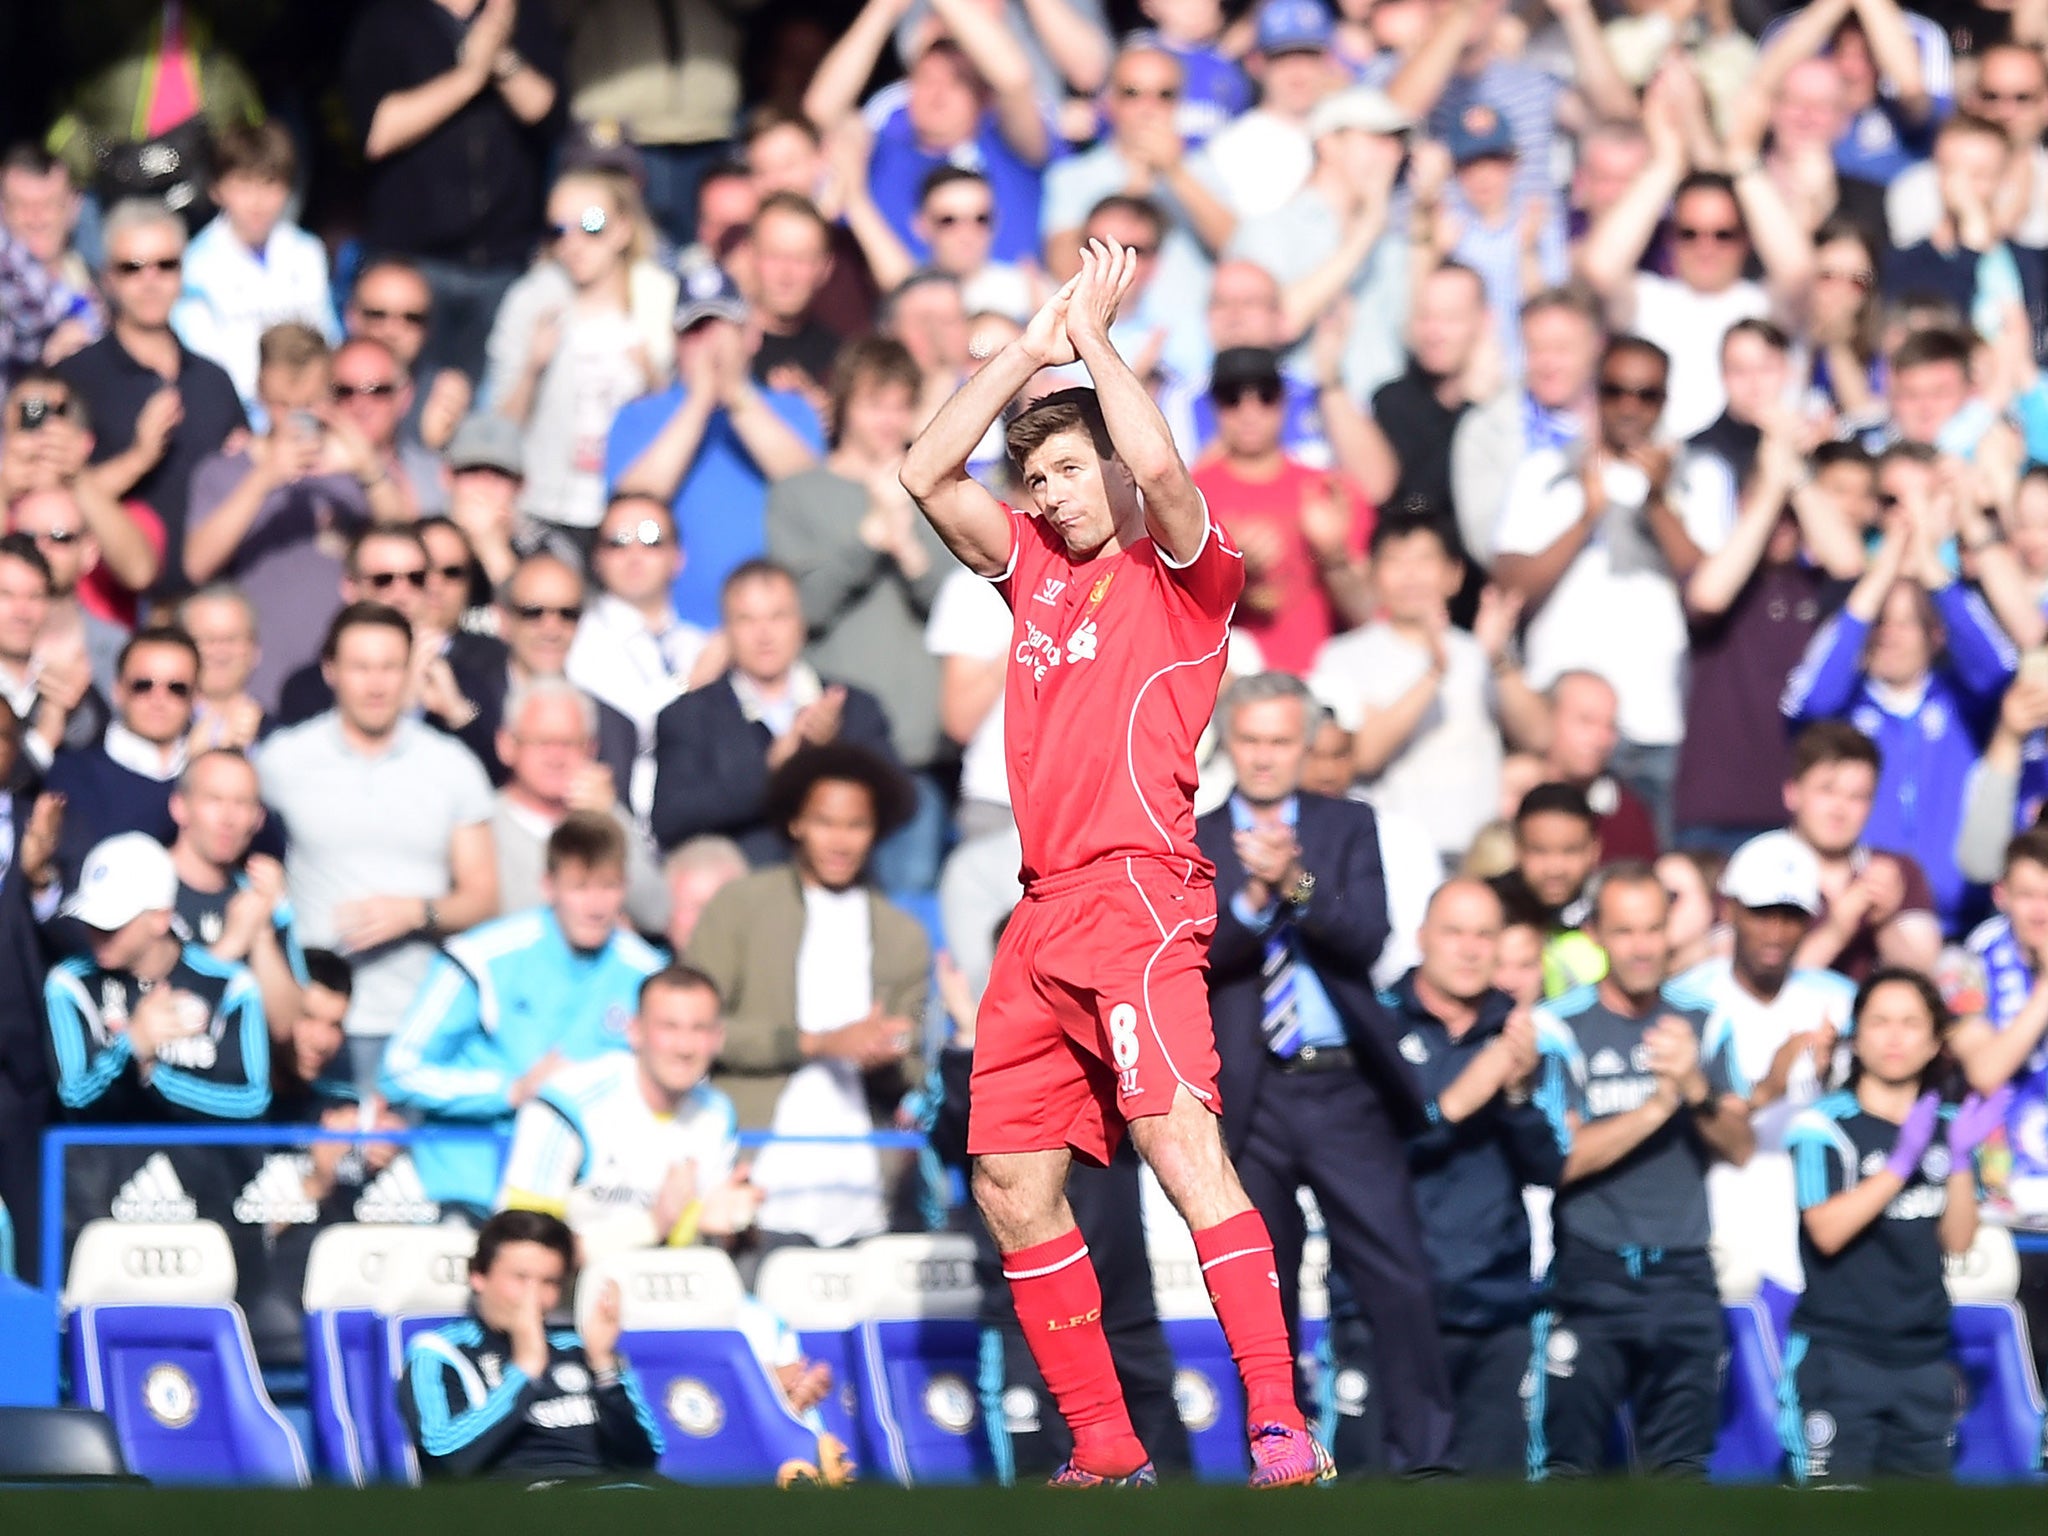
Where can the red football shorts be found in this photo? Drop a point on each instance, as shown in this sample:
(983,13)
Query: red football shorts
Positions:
(1096,1011)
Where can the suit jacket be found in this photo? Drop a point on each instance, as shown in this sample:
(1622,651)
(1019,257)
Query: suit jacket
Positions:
(711,768)
(1339,937)
(618,742)
(747,942)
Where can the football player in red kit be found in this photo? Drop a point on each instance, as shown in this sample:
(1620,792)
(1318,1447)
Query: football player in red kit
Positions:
(1096,1015)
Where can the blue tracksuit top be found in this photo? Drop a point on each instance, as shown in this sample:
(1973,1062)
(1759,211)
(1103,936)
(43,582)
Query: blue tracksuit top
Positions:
(499,998)
(1928,753)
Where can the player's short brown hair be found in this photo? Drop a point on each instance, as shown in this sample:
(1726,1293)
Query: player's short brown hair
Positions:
(587,839)
(1067,410)
(1827,742)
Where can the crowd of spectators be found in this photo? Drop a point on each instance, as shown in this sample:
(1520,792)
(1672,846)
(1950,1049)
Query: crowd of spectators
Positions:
(452,507)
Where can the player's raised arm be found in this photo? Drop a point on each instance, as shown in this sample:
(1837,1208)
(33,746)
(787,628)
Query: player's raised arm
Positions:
(971,521)
(1174,514)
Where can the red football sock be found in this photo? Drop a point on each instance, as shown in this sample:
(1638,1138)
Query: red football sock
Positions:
(1059,1306)
(1244,1287)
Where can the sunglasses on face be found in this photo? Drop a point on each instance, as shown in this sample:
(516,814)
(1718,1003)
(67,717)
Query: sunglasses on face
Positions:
(384,581)
(378,316)
(591,221)
(164,264)
(646,533)
(1694,234)
(450,572)
(176,687)
(376,389)
(983,219)
(2008,98)
(1149,93)
(533,613)
(1231,396)
(1644,394)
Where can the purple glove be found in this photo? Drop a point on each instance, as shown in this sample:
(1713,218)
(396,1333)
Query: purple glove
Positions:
(1916,1135)
(1975,1122)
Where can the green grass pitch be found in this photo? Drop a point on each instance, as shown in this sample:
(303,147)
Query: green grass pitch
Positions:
(1358,1509)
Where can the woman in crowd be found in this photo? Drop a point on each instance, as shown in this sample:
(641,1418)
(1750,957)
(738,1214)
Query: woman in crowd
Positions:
(1886,1187)
(585,330)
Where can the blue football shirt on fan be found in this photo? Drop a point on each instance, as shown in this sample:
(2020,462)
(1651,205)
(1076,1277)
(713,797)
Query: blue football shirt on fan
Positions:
(898,166)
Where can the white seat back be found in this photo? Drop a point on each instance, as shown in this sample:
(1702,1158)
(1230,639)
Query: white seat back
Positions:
(425,1271)
(153,1263)
(1988,1271)
(349,1265)
(911,1275)
(666,1289)
(812,1288)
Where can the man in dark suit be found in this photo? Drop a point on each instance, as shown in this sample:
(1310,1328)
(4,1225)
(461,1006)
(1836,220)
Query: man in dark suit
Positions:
(29,829)
(1314,1088)
(715,747)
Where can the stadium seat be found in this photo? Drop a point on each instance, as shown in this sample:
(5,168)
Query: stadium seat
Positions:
(1999,1437)
(59,1445)
(157,1344)
(1206,1388)
(355,1274)
(919,1348)
(1747,1449)
(723,1418)
(815,1291)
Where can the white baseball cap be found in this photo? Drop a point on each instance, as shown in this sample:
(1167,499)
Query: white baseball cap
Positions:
(1774,870)
(123,877)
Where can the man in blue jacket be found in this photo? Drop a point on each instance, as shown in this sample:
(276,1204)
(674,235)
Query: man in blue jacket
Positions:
(511,1002)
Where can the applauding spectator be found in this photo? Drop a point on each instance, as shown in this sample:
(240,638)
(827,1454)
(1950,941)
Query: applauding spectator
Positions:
(249,269)
(716,747)
(449,105)
(123,782)
(868,569)
(576,338)
(389,827)
(46,684)
(709,445)
(158,409)
(231,899)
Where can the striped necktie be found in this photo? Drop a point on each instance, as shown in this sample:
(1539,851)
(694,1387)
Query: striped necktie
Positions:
(1282,1019)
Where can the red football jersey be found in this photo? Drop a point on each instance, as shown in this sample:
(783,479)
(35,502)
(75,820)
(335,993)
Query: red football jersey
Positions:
(1114,665)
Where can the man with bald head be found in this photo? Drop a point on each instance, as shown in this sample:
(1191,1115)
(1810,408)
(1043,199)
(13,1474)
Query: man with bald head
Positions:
(1475,1053)
(1244,311)
(548,745)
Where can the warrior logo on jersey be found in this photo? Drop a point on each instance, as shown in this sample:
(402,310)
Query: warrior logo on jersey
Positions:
(1049,592)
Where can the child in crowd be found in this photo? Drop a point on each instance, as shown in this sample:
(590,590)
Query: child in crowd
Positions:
(251,268)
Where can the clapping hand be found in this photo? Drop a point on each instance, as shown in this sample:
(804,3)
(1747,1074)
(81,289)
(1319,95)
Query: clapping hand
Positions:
(1107,272)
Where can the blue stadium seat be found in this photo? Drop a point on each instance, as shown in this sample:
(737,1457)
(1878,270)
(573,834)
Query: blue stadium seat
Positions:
(815,1291)
(1206,1388)
(919,1350)
(1999,1437)
(356,1275)
(158,1346)
(1747,1449)
(722,1416)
